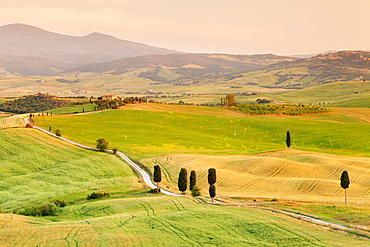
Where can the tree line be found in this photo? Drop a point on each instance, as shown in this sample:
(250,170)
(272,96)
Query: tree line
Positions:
(283,109)
(33,103)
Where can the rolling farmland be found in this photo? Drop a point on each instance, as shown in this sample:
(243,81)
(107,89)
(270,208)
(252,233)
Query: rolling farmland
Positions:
(191,137)
(286,174)
(164,221)
(140,219)
(146,133)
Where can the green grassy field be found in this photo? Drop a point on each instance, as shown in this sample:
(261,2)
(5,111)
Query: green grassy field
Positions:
(73,109)
(332,94)
(36,168)
(164,221)
(146,133)
(345,215)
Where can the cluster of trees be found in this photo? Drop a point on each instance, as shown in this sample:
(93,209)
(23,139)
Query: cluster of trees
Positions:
(33,103)
(284,109)
(229,100)
(43,209)
(114,104)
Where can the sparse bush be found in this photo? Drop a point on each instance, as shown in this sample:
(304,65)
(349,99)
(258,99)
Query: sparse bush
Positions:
(58,133)
(43,209)
(60,203)
(102,144)
(155,190)
(95,195)
(195,191)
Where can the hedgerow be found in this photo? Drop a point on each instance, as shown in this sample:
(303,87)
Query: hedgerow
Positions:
(280,109)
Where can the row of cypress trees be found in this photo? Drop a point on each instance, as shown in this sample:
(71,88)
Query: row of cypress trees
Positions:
(183,181)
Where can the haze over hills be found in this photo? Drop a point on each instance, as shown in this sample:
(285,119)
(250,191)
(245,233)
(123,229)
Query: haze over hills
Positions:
(29,50)
(263,70)
(179,67)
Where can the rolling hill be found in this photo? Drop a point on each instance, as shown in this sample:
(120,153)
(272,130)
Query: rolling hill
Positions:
(267,70)
(182,68)
(29,50)
(308,72)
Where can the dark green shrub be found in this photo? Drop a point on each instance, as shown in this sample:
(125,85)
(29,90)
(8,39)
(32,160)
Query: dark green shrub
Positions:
(195,191)
(95,195)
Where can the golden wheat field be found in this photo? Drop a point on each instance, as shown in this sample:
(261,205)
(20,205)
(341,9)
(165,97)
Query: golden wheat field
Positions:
(13,121)
(283,174)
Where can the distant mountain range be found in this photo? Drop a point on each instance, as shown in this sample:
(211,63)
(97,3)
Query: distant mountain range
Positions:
(28,50)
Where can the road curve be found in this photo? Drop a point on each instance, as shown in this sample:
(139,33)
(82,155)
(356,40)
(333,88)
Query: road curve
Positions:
(137,168)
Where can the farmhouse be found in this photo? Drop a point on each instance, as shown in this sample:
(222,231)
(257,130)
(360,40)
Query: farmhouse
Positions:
(110,97)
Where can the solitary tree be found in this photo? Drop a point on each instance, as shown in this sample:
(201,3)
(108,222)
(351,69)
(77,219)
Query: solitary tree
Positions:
(287,139)
(212,191)
(157,176)
(58,133)
(183,180)
(193,180)
(102,144)
(230,100)
(344,182)
(211,181)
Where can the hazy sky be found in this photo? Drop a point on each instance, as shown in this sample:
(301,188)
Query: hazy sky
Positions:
(229,26)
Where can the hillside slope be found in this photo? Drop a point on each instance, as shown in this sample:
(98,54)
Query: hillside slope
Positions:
(182,68)
(308,72)
(21,44)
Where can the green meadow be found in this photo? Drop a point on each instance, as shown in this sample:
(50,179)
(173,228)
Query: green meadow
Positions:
(36,168)
(333,94)
(164,221)
(143,133)
(73,109)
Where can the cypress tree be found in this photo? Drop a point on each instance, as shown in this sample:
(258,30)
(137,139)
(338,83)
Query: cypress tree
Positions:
(211,176)
(344,183)
(288,139)
(157,176)
(193,180)
(183,180)
(211,181)
(212,191)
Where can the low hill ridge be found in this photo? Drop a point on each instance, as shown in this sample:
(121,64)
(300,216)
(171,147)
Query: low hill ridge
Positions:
(24,42)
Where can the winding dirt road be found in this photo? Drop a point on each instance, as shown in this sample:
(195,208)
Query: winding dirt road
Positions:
(142,173)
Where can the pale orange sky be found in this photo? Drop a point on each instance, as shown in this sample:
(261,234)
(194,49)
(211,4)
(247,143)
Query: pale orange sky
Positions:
(284,27)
